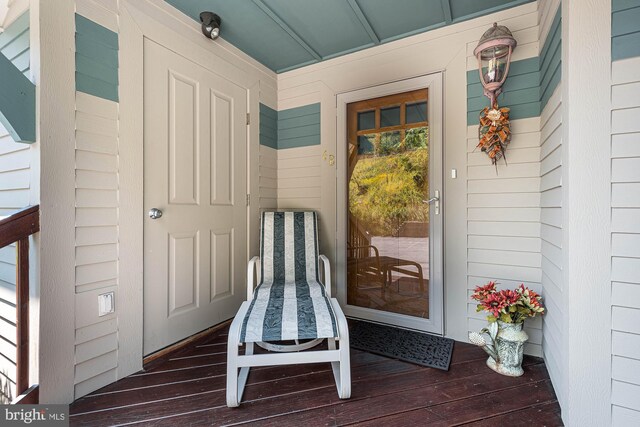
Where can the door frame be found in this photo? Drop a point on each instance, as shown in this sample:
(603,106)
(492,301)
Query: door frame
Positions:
(157,21)
(433,82)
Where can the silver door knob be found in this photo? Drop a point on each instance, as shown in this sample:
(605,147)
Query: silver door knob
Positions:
(155,213)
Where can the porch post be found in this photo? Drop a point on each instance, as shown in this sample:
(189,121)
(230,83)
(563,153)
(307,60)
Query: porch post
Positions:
(586,178)
(56,105)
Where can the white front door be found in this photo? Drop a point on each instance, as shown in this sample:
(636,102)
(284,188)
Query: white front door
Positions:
(195,144)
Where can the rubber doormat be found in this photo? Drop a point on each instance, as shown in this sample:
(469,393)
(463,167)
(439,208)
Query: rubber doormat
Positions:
(411,346)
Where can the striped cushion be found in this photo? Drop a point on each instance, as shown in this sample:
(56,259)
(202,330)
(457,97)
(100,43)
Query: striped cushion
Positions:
(290,302)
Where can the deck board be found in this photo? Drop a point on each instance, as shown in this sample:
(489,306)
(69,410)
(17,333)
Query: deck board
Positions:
(188,388)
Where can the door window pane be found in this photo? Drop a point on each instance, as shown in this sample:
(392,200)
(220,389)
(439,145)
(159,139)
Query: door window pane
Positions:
(417,112)
(366,120)
(389,116)
(366,144)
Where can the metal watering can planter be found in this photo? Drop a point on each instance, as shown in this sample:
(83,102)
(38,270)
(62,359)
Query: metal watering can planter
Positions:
(506,348)
(507,310)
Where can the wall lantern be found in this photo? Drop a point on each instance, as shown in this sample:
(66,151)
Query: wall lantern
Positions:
(210,24)
(494,55)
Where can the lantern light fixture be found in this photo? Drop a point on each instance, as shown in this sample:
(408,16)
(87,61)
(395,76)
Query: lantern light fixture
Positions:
(494,56)
(210,24)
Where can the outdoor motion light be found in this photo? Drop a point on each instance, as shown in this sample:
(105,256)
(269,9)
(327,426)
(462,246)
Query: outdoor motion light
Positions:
(494,55)
(210,24)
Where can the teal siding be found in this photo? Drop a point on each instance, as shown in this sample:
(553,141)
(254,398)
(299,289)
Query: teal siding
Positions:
(268,126)
(521,91)
(295,127)
(14,43)
(299,127)
(17,93)
(96,59)
(530,83)
(550,60)
(625,29)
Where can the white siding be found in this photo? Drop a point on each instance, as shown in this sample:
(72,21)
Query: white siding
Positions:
(96,240)
(299,178)
(551,236)
(268,177)
(97,226)
(625,241)
(15,193)
(503,214)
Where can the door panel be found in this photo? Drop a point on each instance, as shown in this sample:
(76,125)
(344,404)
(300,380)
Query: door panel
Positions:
(183,270)
(183,139)
(195,173)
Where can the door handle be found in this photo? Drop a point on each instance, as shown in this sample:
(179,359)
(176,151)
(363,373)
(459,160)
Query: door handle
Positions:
(436,201)
(155,213)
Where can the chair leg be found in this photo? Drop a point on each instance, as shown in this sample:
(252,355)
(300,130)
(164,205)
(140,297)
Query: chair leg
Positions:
(341,368)
(233,399)
(235,382)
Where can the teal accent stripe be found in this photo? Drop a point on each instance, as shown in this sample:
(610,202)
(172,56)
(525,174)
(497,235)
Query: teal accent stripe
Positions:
(295,127)
(299,127)
(14,43)
(96,59)
(17,102)
(299,111)
(521,92)
(620,5)
(530,83)
(17,93)
(625,29)
(268,127)
(551,60)
(95,32)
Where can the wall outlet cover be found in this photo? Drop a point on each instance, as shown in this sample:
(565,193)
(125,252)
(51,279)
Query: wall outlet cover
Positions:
(106,303)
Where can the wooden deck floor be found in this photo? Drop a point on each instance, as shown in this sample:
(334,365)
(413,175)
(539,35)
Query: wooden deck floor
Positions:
(188,388)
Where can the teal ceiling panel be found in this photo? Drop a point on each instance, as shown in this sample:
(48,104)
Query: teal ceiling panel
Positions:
(466,9)
(250,29)
(392,20)
(334,27)
(288,34)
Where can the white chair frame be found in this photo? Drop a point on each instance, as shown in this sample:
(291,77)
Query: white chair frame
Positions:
(286,354)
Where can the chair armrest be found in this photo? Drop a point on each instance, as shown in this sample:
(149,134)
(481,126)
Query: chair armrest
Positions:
(327,274)
(254,264)
(354,248)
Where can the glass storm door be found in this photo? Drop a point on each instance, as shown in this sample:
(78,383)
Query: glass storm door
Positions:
(392,217)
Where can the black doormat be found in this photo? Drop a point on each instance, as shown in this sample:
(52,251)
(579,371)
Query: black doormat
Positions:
(410,346)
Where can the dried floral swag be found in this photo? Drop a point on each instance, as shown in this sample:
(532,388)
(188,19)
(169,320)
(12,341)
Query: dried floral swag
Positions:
(494,132)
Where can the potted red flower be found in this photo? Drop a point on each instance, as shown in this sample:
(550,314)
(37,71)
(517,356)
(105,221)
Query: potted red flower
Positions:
(507,310)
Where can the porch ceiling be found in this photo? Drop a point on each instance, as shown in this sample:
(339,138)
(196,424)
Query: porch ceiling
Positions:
(288,34)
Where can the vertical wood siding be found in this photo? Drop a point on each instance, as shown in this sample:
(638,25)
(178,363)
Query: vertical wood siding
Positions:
(97,193)
(15,184)
(625,238)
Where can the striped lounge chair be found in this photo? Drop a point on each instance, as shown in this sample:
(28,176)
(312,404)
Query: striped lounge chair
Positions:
(290,310)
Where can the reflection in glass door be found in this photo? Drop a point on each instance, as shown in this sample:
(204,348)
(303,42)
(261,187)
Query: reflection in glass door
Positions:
(388,244)
(391,204)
